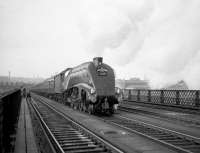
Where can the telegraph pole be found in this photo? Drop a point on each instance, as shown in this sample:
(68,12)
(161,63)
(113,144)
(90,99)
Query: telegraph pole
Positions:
(9,76)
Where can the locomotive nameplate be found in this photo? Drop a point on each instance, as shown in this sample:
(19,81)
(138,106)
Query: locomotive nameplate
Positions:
(102,71)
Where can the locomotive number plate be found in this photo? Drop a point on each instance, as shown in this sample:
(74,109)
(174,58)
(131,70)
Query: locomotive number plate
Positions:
(102,71)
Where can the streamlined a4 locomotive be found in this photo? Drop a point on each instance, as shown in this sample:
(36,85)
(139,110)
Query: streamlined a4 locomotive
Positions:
(88,87)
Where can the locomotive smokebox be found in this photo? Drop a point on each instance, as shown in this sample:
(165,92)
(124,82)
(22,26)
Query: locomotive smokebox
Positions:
(97,61)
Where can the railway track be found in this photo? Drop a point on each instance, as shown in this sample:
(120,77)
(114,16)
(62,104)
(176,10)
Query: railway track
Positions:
(177,141)
(180,119)
(67,135)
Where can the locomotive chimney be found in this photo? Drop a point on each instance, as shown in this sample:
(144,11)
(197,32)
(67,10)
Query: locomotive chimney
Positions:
(97,61)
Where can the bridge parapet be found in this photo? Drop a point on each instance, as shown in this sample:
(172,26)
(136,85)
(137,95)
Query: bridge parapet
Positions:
(185,98)
(9,112)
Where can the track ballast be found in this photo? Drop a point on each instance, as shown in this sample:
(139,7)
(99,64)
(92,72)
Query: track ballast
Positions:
(175,140)
(67,135)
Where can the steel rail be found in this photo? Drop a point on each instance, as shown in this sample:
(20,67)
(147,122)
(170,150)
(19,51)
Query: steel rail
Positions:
(157,134)
(185,120)
(131,125)
(89,132)
(53,140)
(155,126)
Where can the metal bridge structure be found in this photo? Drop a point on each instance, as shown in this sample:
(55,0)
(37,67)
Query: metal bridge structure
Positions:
(181,98)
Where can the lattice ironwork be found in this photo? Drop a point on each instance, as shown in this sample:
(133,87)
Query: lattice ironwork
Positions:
(169,97)
(125,94)
(187,98)
(134,94)
(144,95)
(155,96)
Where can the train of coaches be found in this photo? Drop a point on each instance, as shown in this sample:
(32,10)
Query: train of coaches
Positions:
(89,87)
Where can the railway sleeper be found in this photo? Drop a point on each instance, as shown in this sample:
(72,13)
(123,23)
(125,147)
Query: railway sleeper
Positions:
(61,129)
(77,144)
(60,125)
(75,141)
(90,150)
(66,133)
(68,138)
(68,148)
(55,130)
(69,135)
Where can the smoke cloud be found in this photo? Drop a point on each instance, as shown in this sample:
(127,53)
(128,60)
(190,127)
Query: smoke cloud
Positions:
(155,39)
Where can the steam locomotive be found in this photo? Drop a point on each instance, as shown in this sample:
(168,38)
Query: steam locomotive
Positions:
(88,87)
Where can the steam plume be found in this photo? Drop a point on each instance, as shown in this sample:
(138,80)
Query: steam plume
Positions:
(156,39)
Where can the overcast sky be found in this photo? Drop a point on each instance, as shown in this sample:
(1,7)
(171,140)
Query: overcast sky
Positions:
(158,40)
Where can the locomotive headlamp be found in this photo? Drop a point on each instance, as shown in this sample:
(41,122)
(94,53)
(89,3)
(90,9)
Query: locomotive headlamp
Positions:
(92,91)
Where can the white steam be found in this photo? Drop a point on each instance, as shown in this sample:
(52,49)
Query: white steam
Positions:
(153,38)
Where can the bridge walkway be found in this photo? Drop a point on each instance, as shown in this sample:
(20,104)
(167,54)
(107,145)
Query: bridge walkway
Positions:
(25,140)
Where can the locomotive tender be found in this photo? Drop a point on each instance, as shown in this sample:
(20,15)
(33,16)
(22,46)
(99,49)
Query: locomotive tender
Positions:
(88,87)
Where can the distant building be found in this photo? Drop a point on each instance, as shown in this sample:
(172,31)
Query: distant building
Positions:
(20,80)
(181,85)
(133,83)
